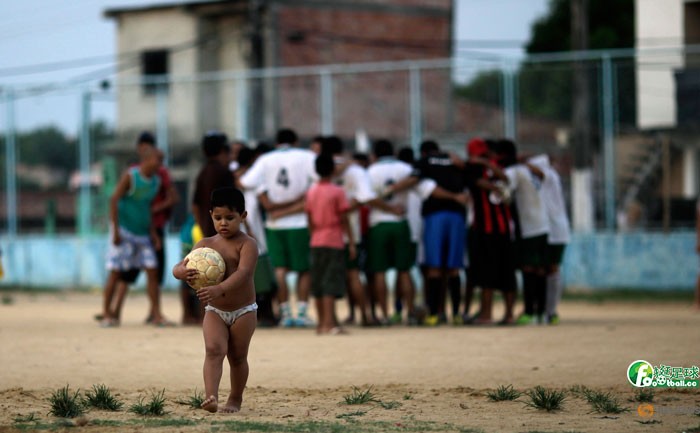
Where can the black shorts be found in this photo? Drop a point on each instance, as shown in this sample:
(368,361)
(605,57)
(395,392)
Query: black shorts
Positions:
(491,264)
(328,272)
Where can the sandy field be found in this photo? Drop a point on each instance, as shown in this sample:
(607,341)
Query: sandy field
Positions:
(422,379)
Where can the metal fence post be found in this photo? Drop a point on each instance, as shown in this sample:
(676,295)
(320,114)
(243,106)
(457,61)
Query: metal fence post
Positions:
(326,102)
(84,207)
(509,115)
(608,133)
(162,121)
(416,108)
(11,164)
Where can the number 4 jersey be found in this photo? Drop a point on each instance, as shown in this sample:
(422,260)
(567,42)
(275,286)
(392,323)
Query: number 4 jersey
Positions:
(285,174)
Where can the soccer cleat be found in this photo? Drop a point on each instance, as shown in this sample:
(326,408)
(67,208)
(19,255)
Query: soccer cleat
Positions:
(287,322)
(304,322)
(457,320)
(525,319)
(395,318)
(553,319)
(431,320)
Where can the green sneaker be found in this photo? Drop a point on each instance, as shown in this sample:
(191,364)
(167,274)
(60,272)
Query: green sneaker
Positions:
(457,320)
(553,319)
(395,319)
(431,321)
(525,319)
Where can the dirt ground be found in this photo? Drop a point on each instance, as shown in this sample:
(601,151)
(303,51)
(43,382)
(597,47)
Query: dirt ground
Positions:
(423,379)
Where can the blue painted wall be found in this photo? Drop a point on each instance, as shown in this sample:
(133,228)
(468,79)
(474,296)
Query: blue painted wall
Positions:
(596,261)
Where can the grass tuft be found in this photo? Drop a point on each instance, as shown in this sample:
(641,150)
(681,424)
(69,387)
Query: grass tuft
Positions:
(389,404)
(604,402)
(360,397)
(350,415)
(546,399)
(65,404)
(644,395)
(195,400)
(154,407)
(101,398)
(504,393)
(32,417)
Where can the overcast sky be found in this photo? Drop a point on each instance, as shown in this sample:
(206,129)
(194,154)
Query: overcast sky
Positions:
(41,32)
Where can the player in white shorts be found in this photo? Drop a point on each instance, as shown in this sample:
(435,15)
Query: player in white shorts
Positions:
(559,233)
(285,175)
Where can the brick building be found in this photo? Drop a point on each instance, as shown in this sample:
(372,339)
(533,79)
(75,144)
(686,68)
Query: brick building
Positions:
(188,39)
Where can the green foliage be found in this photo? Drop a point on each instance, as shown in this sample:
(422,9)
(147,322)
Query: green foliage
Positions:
(101,398)
(546,399)
(154,407)
(360,397)
(194,401)
(32,417)
(504,393)
(603,402)
(65,404)
(644,395)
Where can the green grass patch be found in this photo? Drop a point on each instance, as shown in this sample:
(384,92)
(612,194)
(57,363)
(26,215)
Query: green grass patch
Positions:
(32,417)
(100,397)
(604,402)
(389,404)
(65,404)
(503,393)
(629,295)
(546,399)
(155,406)
(358,396)
(644,395)
(194,401)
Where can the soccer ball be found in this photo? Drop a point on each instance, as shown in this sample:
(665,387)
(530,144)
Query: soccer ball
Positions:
(209,263)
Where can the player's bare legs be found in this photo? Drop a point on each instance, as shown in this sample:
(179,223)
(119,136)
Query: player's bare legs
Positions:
(696,305)
(216,339)
(408,290)
(484,317)
(108,296)
(304,286)
(153,290)
(380,294)
(122,288)
(357,295)
(239,340)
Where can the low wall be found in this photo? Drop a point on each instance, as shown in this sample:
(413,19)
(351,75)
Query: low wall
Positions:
(652,261)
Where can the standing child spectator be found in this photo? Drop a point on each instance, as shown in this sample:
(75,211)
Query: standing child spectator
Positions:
(134,239)
(215,174)
(327,207)
(227,327)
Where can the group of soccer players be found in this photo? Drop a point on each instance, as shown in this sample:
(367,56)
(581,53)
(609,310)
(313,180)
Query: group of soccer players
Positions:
(489,215)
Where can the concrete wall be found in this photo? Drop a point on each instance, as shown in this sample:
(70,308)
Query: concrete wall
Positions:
(658,24)
(595,261)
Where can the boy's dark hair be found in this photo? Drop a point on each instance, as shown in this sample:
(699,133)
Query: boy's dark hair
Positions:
(332,145)
(507,152)
(325,164)
(360,157)
(245,156)
(287,136)
(229,197)
(406,155)
(263,147)
(146,137)
(383,148)
(213,143)
(429,146)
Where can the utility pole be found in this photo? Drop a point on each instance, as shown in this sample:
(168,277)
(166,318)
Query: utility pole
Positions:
(582,177)
(257,61)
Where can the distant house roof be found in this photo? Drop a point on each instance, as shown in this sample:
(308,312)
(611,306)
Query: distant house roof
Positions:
(116,11)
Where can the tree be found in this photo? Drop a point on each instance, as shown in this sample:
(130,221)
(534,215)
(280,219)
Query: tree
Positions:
(545,88)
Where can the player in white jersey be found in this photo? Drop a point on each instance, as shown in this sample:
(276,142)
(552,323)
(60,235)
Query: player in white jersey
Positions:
(559,232)
(390,237)
(525,182)
(285,175)
(254,226)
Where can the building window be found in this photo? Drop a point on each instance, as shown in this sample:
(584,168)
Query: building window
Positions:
(153,64)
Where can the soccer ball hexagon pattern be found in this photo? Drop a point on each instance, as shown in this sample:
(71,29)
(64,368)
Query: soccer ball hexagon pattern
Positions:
(209,264)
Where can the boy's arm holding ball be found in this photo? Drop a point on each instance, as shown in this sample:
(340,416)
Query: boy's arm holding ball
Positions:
(182,272)
(238,279)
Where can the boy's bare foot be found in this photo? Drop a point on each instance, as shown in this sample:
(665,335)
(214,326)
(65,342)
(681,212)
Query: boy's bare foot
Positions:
(233,405)
(210,404)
